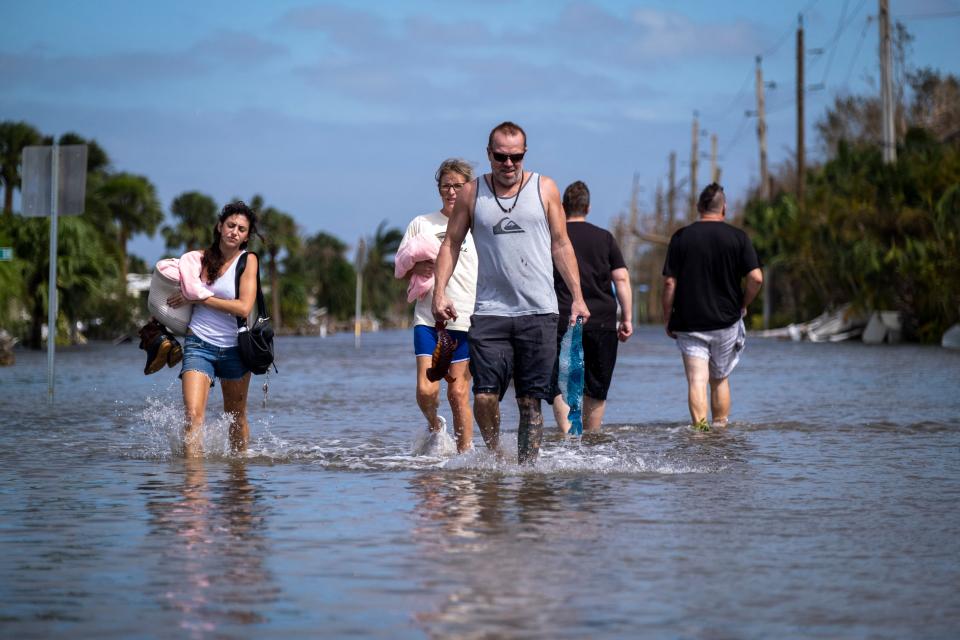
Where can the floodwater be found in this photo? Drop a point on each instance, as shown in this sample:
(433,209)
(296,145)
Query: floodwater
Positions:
(829,508)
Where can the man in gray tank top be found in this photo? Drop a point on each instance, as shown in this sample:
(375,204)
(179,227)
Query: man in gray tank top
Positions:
(520,234)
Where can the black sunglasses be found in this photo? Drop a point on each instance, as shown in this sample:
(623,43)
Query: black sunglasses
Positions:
(516,158)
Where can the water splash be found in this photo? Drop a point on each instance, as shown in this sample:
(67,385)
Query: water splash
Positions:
(156,431)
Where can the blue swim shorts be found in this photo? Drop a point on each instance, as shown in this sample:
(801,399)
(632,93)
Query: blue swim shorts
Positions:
(211,360)
(425,341)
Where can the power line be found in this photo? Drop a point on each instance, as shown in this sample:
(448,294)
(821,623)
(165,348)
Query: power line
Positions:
(840,30)
(831,45)
(923,16)
(790,30)
(736,136)
(856,53)
(736,98)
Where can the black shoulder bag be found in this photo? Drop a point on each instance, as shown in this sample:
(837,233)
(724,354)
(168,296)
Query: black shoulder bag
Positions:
(256,342)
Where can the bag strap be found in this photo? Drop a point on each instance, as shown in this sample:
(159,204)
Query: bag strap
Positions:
(261,306)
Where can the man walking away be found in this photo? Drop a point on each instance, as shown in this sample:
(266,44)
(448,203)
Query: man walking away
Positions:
(704,304)
(601,268)
(517,223)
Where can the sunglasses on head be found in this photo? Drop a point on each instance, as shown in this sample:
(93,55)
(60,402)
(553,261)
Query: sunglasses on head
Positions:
(516,158)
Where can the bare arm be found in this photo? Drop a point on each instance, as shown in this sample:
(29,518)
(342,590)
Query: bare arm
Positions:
(423,268)
(457,227)
(241,306)
(754,282)
(561,249)
(669,289)
(621,282)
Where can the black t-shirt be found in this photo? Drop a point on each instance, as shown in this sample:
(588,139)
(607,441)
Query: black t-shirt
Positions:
(708,259)
(597,255)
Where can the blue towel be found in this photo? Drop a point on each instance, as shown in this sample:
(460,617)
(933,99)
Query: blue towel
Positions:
(571,375)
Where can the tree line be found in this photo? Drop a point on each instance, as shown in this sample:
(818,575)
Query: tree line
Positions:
(876,236)
(879,236)
(305,277)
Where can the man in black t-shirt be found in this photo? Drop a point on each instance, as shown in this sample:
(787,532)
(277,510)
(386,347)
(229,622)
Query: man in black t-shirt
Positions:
(704,305)
(601,269)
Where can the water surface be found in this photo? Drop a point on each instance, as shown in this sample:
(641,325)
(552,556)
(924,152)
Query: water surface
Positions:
(828,509)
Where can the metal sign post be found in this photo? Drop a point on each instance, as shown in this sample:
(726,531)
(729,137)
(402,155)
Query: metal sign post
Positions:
(52,298)
(54,183)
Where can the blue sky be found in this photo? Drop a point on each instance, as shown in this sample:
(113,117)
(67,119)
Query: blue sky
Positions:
(339,112)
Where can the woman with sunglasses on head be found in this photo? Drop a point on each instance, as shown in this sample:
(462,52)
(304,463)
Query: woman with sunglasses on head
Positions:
(210,348)
(415,262)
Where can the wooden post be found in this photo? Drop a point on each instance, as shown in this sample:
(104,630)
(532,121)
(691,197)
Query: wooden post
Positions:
(886,86)
(762,134)
(801,160)
(692,213)
(672,193)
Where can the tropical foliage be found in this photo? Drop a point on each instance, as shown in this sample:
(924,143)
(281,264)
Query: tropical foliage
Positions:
(881,236)
(306,278)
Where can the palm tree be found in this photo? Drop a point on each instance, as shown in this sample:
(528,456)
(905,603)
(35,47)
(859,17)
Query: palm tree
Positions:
(97,159)
(85,274)
(381,289)
(14,136)
(131,206)
(280,233)
(331,273)
(196,214)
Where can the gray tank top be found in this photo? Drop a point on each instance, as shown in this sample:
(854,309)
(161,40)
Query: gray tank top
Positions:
(515,264)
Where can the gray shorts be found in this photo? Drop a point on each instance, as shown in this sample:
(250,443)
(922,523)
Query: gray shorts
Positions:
(722,347)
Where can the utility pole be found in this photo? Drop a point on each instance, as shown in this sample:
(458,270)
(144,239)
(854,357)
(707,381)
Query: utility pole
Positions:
(714,169)
(358,308)
(762,134)
(672,193)
(801,160)
(692,213)
(886,86)
(655,266)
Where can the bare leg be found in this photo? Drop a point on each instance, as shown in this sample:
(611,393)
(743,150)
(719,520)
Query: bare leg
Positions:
(458,394)
(235,405)
(698,371)
(530,432)
(487,408)
(428,393)
(196,390)
(720,401)
(593,413)
(561,412)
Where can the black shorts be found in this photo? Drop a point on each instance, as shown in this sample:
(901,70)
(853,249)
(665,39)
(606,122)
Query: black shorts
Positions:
(599,359)
(523,348)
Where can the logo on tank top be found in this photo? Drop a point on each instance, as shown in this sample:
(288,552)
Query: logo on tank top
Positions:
(506,225)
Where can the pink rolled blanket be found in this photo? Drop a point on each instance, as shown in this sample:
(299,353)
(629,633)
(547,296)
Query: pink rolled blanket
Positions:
(423,246)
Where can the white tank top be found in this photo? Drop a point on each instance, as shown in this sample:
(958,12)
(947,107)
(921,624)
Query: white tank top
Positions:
(218,327)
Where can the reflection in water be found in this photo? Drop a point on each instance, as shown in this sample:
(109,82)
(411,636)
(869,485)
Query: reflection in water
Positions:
(495,547)
(212,570)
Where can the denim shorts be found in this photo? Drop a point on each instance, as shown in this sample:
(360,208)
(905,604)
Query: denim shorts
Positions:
(425,341)
(211,360)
